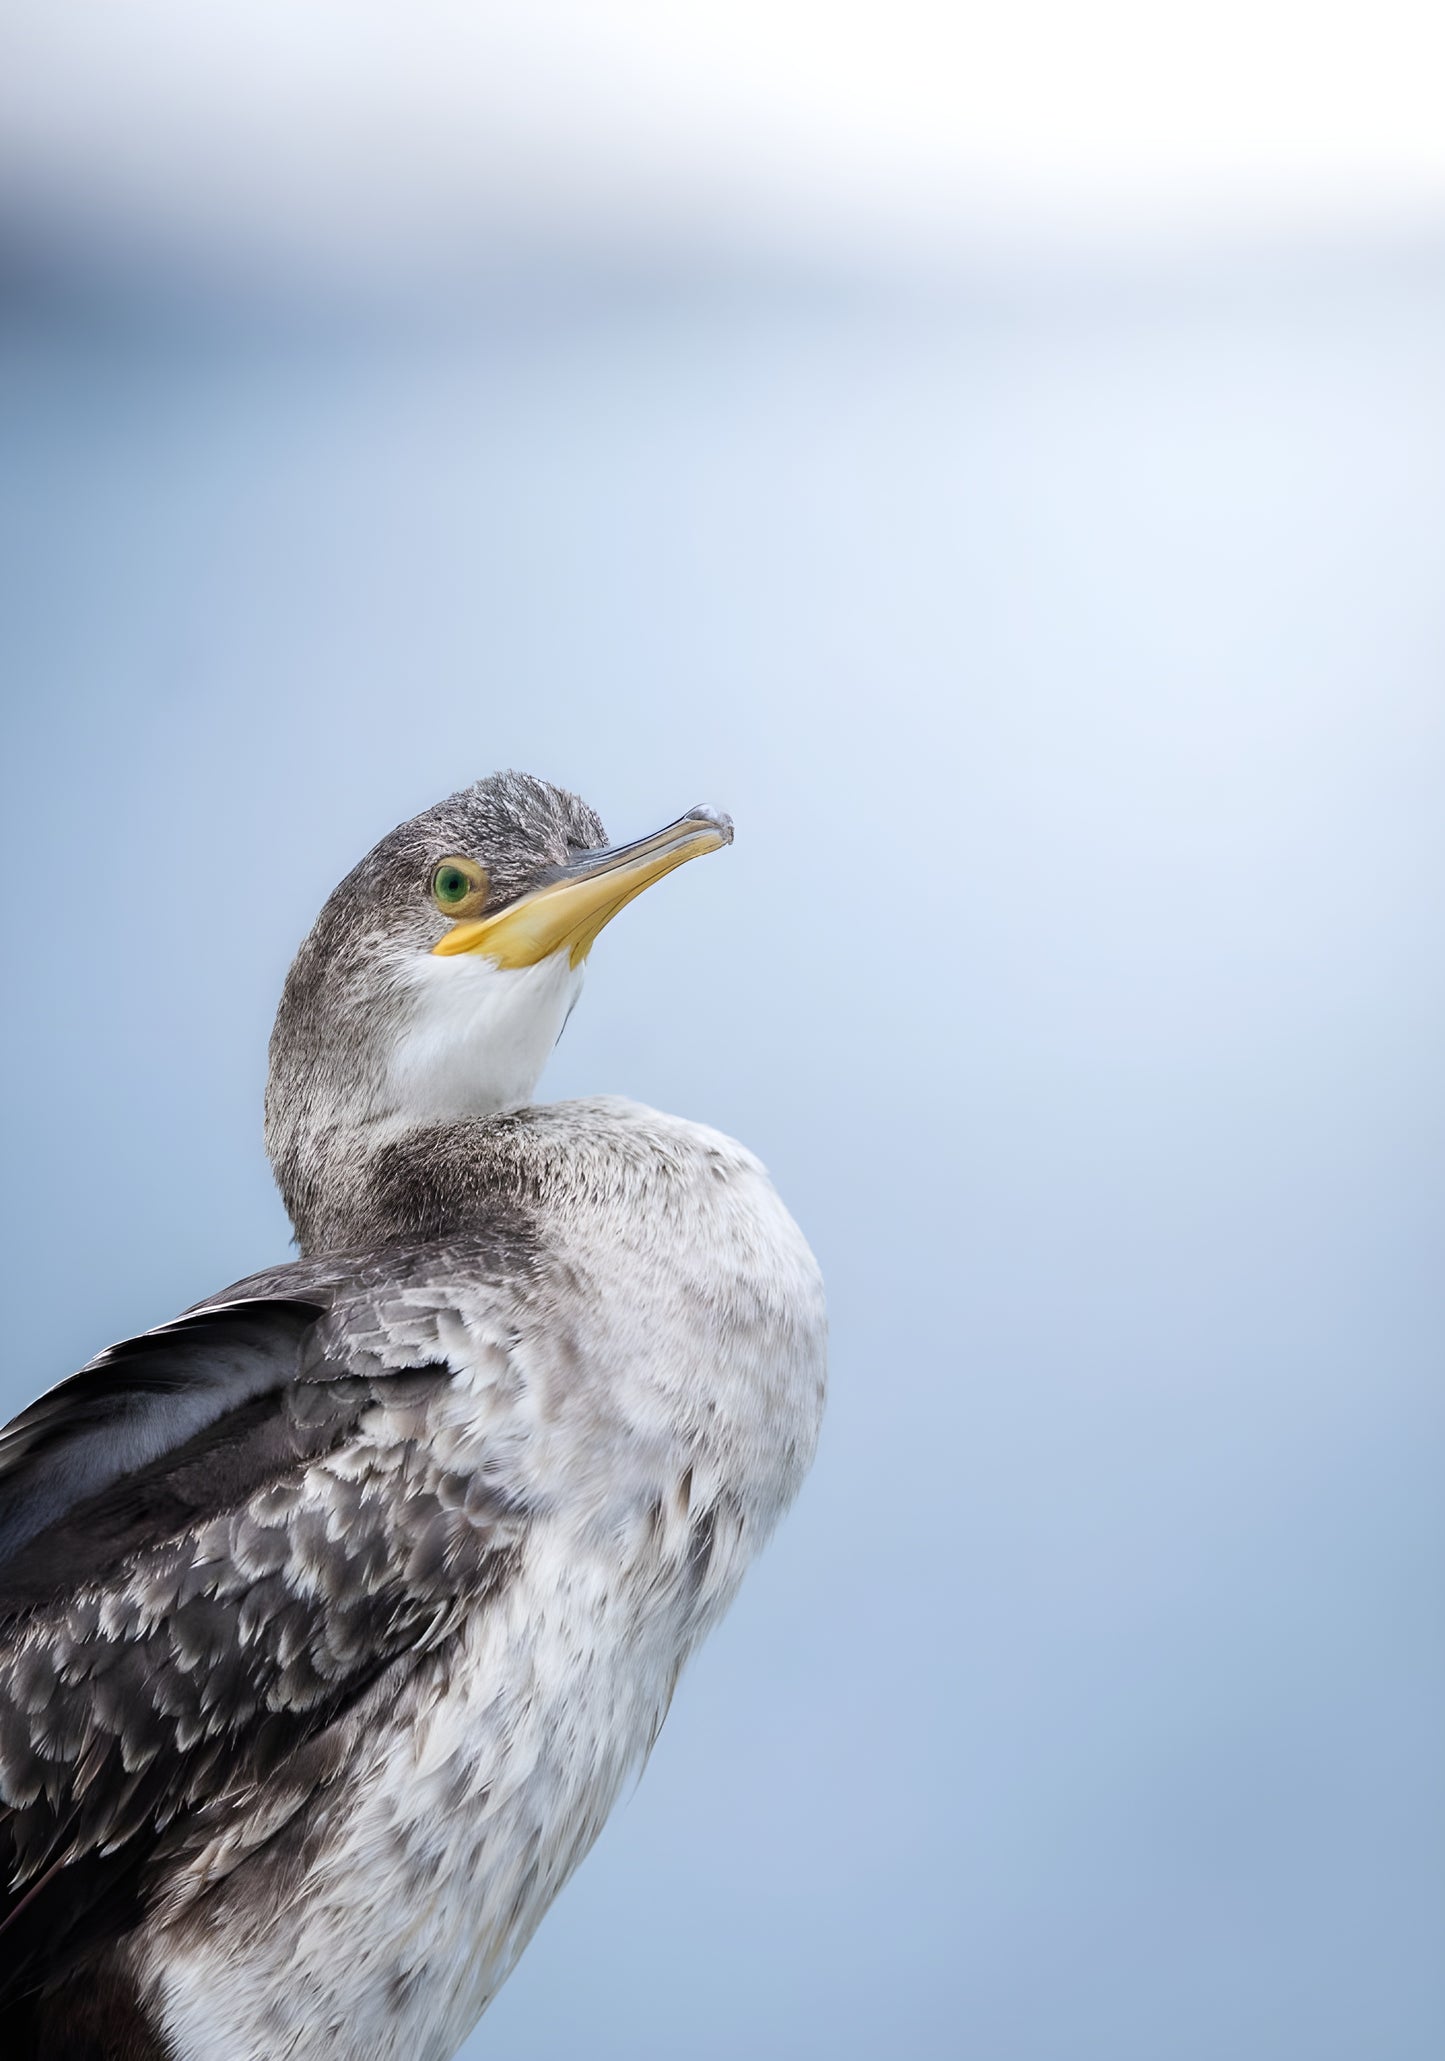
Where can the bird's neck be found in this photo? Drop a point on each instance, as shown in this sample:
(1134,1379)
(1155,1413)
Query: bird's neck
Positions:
(355,1188)
(375,1108)
(499,1174)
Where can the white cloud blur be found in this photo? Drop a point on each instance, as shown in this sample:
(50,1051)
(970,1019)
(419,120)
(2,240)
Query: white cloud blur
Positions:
(368,129)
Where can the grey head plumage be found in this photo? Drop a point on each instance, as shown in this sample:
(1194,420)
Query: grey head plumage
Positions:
(436,980)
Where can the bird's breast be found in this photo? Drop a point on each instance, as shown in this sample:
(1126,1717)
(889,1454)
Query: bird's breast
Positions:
(640,1393)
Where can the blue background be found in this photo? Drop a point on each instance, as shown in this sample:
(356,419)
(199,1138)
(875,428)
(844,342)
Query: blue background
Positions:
(1068,649)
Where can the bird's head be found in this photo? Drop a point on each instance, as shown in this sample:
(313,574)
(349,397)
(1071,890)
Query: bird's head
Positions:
(439,974)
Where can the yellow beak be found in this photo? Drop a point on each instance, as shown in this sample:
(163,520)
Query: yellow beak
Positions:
(570,910)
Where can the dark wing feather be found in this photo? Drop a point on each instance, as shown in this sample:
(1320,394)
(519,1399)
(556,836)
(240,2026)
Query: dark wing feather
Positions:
(211,1572)
(138,1400)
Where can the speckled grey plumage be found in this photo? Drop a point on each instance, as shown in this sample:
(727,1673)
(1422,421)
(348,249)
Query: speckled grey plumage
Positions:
(334,1617)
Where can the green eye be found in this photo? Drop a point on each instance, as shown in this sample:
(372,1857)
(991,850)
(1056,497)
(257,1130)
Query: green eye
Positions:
(458,885)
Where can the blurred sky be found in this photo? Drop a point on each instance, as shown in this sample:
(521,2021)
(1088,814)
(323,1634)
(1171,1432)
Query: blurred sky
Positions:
(373,137)
(1060,615)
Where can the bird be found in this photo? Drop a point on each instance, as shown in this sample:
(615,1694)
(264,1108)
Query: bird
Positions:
(336,1612)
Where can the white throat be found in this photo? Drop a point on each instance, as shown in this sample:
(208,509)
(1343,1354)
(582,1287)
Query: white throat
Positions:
(478,1035)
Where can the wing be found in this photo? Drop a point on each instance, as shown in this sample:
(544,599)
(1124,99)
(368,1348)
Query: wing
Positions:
(138,1400)
(220,1540)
